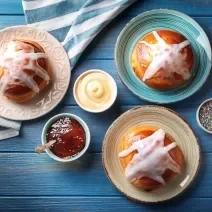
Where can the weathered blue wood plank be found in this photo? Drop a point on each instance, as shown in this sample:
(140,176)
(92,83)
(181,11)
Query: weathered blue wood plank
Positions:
(98,124)
(11,20)
(28,174)
(196,7)
(11,7)
(31,174)
(103,204)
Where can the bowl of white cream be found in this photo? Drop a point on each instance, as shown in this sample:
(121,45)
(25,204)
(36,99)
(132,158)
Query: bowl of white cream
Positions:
(95,91)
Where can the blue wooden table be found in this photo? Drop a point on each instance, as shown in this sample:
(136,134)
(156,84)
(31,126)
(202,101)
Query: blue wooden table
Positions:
(31,182)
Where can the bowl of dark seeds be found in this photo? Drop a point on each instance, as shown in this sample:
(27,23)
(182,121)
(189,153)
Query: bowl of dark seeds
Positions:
(204,116)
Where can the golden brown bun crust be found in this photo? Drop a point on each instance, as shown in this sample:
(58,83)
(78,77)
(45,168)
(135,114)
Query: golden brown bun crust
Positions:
(20,93)
(147,183)
(141,64)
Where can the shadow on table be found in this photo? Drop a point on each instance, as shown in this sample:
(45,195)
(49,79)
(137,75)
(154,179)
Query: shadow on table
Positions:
(84,163)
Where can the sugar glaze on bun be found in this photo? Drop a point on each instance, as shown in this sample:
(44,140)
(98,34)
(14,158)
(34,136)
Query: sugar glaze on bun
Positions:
(163,59)
(24,70)
(150,157)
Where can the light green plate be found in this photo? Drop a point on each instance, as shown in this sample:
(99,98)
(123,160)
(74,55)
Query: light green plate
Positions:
(175,126)
(155,20)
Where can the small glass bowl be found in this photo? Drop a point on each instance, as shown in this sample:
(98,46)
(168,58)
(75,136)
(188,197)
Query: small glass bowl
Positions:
(53,120)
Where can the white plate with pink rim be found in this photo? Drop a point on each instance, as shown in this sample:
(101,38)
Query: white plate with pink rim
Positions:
(52,95)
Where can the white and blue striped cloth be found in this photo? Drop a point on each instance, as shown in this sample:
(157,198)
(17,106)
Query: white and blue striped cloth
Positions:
(74,23)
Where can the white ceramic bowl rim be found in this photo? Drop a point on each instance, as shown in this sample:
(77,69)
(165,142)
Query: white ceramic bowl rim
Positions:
(113,83)
(197,115)
(55,118)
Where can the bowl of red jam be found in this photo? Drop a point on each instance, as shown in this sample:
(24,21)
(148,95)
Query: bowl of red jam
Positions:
(71,135)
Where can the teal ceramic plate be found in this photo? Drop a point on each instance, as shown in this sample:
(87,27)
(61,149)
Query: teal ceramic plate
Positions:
(156,20)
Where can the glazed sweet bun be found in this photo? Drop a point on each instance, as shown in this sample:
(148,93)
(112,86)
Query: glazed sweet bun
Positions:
(163,59)
(24,70)
(149,157)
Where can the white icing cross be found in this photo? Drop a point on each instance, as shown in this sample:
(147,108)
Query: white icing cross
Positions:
(167,56)
(152,158)
(18,57)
